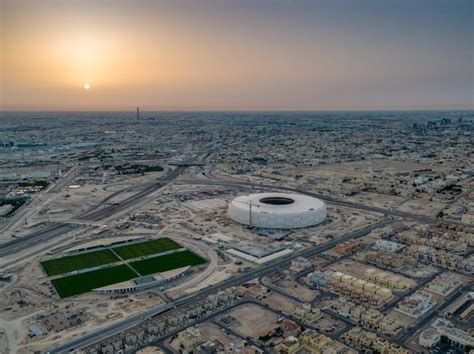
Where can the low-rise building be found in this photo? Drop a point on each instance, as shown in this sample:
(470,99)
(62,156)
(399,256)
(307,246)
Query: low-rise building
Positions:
(444,284)
(307,313)
(387,246)
(429,338)
(349,246)
(444,328)
(387,279)
(189,339)
(416,304)
(359,338)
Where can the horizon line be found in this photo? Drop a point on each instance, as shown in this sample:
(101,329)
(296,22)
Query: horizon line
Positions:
(239,110)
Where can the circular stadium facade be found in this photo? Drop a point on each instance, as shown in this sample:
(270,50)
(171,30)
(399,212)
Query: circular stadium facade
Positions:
(277,210)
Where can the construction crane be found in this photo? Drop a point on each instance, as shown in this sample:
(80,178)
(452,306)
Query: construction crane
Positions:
(250,209)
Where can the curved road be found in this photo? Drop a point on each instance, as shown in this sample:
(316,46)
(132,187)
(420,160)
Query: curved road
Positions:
(268,268)
(95,214)
(334,201)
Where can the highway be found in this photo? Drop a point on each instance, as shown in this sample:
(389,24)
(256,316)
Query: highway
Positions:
(268,268)
(66,179)
(96,214)
(44,235)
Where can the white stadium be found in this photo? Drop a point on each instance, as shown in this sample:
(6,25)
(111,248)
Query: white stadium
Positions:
(277,210)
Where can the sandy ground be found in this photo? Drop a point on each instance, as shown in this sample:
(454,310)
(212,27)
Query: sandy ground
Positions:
(281,303)
(295,289)
(253,320)
(421,207)
(377,200)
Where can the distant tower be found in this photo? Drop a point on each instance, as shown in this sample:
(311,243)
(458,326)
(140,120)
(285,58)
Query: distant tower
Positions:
(138,112)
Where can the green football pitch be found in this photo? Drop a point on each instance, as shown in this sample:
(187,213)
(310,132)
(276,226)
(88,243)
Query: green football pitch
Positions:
(146,248)
(84,282)
(80,261)
(167,262)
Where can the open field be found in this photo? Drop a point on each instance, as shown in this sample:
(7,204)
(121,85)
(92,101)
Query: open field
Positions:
(84,282)
(281,303)
(146,248)
(167,262)
(252,320)
(80,261)
(297,290)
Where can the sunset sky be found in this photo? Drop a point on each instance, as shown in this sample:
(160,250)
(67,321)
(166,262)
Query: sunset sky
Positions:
(236,54)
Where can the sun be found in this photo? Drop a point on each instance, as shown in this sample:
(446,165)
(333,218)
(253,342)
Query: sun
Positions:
(87,86)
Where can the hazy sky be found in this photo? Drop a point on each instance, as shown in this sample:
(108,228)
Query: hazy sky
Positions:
(236,54)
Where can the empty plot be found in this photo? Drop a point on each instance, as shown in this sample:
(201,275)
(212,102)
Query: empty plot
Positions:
(167,262)
(84,282)
(77,262)
(253,320)
(146,248)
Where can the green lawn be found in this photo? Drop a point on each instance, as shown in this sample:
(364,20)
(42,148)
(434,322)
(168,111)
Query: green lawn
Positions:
(146,248)
(84,282)
(80,261)
(167,262)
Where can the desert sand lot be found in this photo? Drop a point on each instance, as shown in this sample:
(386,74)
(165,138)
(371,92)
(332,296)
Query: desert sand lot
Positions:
(295,289)
(355,169)
(252,320)
(402,318)
(421,207)
(210,331)
(377,200)
(281,303)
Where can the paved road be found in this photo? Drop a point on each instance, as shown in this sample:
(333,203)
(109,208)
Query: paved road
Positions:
(348,324)
(332,200)
(268,268)
(95,214)
(281,314)
(229,330)
(35,238)
(66,179)
(160,341)
(421,322)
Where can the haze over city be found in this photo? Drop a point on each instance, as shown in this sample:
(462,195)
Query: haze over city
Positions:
(236,55)
(236,176)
